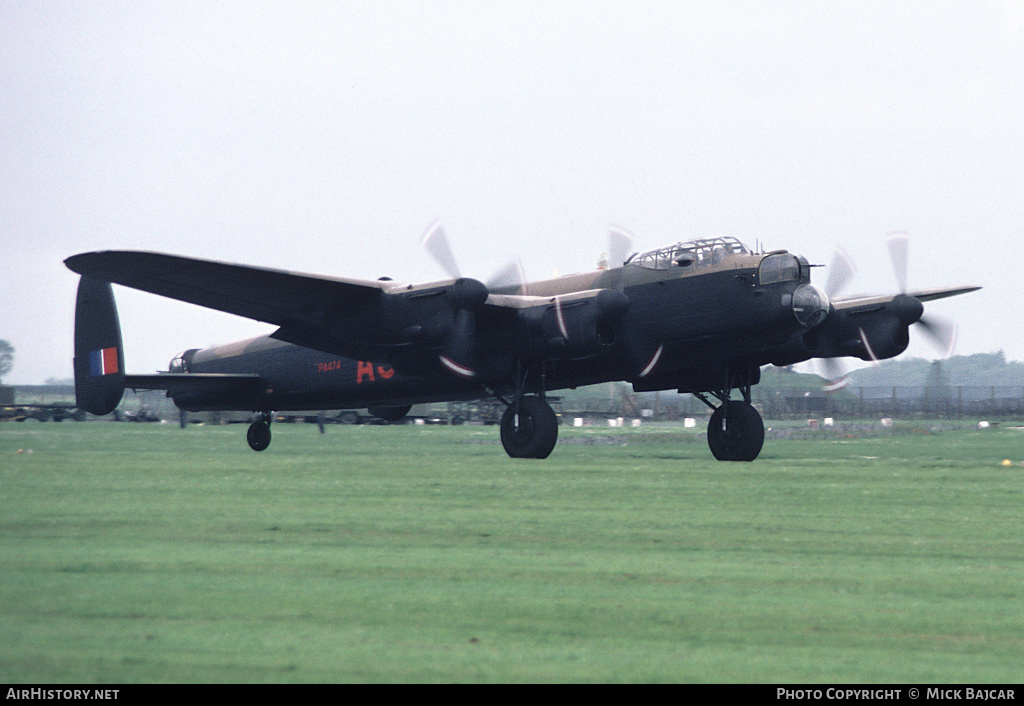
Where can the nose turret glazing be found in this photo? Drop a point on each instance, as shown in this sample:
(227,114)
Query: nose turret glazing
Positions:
(810,305)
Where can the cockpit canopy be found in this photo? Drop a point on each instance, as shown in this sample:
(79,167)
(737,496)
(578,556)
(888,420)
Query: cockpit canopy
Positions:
(182,362)
(695,253)
(779,267)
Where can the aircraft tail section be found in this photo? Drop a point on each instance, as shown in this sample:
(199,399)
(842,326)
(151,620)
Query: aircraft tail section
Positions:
(99,354)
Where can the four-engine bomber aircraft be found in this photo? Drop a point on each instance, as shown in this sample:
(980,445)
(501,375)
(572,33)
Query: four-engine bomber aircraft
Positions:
(699,317)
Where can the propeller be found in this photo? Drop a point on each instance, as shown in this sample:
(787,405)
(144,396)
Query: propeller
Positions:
(899,255)
(835,373)
(435,241)
(840,273)
(466,296)
(511,276)
(620,245)
(941,332)
(458,353)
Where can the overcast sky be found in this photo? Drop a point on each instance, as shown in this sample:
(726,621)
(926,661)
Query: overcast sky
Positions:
(326,137)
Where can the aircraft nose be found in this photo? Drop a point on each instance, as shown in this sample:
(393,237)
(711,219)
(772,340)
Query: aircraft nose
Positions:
(810,305)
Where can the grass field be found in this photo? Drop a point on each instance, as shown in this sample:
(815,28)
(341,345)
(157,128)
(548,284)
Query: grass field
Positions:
(144,553)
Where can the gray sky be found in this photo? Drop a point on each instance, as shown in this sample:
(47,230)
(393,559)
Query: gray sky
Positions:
(326,137)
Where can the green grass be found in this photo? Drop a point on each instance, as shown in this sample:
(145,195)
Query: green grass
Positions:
(144,553)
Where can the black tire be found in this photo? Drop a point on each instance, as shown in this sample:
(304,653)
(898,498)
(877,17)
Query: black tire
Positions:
(736,434)
(531,431)
(390,414)
(258,436)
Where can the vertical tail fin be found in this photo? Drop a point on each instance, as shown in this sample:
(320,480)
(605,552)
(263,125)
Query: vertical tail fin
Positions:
(99,355)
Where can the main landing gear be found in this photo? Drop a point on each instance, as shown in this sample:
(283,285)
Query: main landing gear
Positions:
(258,435)
(735,432)
(529,428)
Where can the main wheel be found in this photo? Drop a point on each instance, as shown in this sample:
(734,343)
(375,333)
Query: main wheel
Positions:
(529,429)
(258,435)
(736,432)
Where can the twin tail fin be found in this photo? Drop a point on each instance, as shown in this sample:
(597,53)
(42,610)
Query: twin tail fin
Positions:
(99,353)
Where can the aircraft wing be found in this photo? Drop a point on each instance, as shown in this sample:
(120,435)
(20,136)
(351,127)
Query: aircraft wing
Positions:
(359,319)
(263,294)
(925,295)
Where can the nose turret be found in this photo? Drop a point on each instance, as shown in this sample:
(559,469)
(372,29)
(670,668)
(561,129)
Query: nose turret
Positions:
(810,305)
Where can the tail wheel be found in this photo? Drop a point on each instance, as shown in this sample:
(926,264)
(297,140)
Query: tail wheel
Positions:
(258,435)
(736,432)
(529,429)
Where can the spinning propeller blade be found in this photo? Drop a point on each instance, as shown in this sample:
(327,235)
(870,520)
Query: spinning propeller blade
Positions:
(840,272)
(458,354)
(620,245)
(835,374)
(867,345)
(899,254)
(941,332)
(436,243)
(511,276)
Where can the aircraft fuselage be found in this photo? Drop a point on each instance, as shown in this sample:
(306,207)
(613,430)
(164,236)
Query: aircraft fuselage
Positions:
(685,332)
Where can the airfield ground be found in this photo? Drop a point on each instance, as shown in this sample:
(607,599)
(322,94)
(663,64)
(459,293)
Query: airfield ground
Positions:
(146,553)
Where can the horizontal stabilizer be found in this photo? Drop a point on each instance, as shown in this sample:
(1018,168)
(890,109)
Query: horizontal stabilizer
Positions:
(179,383)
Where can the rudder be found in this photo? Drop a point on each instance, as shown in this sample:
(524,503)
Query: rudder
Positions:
(99,354)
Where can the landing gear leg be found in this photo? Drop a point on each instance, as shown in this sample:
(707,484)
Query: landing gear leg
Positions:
(736,431)
(258,435)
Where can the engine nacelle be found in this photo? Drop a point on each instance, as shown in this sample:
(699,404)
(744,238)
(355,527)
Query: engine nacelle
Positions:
(875,334)
(883,338)
(580,328)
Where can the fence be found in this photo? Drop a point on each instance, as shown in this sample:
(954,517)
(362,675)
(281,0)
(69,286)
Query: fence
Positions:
(983,401)
(949,402)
